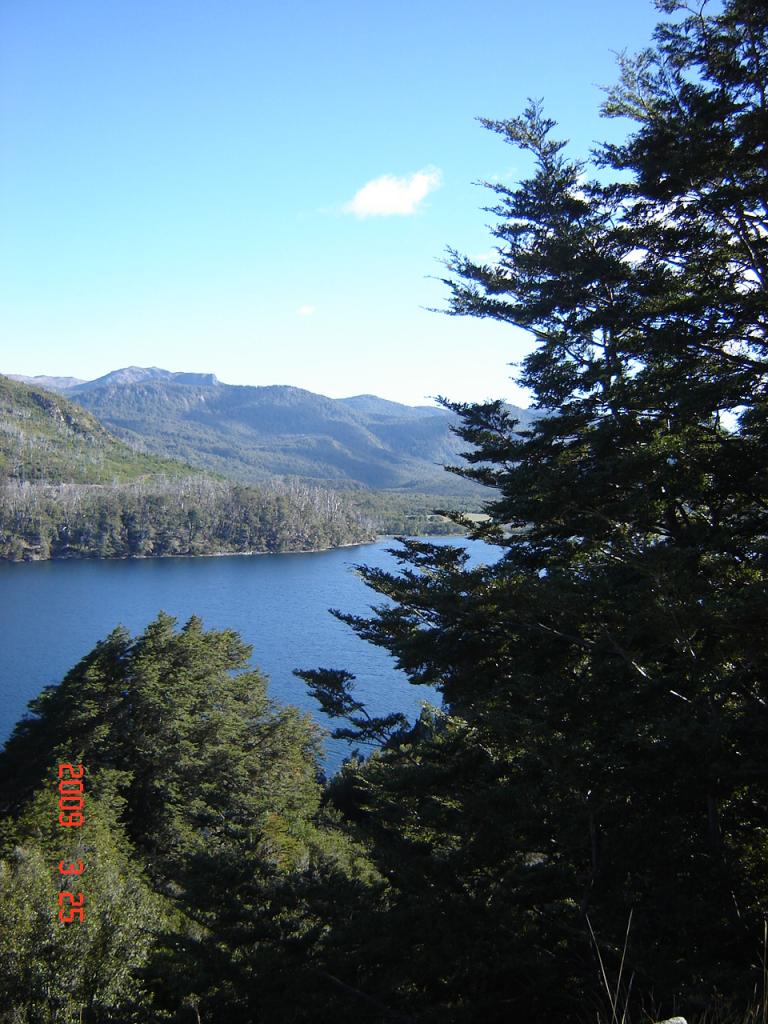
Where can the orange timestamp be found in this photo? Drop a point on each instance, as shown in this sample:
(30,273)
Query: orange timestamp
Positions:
(71,802)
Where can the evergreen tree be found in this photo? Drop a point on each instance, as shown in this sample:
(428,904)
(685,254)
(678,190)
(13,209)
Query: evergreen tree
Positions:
(205,831)
(178,717)
(601,754)
(89,970)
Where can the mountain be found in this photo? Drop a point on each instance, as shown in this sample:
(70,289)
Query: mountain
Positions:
(49,383)
(43,436)
(69,489)
(256,433)
(381,408)
(137,375)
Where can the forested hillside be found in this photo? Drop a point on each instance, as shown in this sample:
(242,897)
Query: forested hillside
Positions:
(68,489)
(45,437)
(194,516)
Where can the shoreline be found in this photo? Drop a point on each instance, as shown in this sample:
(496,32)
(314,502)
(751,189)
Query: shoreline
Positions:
(179,554)
(214,554)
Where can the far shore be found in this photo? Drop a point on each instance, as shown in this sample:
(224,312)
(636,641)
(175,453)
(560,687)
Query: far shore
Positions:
(179,554)
(210,554)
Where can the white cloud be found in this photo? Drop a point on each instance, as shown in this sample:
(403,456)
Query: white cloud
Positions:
(488,257)
(305,310)
(389,196)
(634,256)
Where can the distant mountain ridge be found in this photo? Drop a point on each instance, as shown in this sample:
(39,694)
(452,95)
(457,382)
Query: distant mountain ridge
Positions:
(373,406)
(139,375)
(254,433)
(49,383)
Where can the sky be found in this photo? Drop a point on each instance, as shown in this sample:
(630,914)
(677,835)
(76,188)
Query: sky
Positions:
(266,191)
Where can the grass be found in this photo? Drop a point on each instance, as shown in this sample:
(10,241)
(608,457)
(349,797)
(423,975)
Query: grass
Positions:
(618,997)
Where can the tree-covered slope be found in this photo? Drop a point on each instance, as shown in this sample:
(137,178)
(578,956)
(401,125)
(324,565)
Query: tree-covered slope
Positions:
(196,515)
(69,489)
(43,436)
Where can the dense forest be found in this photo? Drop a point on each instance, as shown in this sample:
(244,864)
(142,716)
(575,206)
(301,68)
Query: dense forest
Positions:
(190,516)
(580,831)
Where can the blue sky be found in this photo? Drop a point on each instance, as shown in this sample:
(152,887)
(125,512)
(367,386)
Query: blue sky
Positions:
(265,191)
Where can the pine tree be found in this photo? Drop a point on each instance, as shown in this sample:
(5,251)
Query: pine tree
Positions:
(88,970)
(601,755)
(200,750)
(213,805)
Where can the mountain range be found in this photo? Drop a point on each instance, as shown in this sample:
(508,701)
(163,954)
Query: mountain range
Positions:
(254,433)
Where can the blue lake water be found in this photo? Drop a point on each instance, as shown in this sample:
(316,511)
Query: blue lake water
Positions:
(53,613)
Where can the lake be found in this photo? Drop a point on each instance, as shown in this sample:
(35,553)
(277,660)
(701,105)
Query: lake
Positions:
(53,613)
